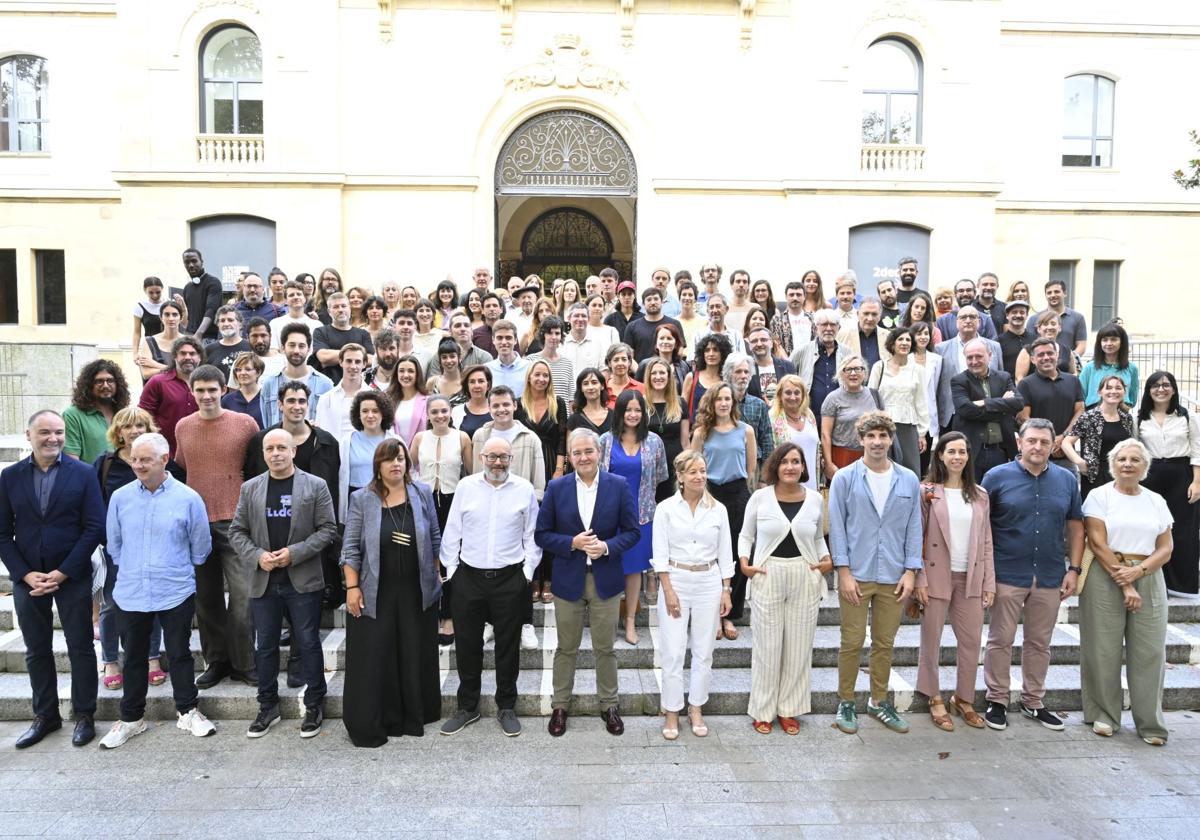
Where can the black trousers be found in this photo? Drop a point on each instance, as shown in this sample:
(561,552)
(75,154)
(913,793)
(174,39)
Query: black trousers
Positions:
(441,505)
(1170,477)
(500,597)
(988,457)
(177,639)
(734,495)
(36,617)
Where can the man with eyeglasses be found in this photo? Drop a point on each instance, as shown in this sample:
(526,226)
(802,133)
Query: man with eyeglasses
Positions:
(100,392)
(488,548)
(964,296)
(954,360)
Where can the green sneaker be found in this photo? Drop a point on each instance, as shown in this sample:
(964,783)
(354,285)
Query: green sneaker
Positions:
(847,717)
(885,713)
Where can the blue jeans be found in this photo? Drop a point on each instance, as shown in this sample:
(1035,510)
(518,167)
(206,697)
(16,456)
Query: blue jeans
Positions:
(303,610)
(109,635)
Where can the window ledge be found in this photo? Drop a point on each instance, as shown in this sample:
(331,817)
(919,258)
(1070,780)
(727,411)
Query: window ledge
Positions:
(24,155)
(1107,170)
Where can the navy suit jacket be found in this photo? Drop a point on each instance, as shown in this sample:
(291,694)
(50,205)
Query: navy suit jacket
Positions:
(65,536)
(614,520)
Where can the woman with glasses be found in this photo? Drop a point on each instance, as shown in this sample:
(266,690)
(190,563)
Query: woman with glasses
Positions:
(840,412)
(245,397)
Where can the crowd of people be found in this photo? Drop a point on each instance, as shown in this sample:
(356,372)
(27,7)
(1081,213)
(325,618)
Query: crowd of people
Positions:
(439,464)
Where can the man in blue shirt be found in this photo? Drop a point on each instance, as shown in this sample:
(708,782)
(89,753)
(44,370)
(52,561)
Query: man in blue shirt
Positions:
(157,533)
(1037,521)
(875,535)
(507,368)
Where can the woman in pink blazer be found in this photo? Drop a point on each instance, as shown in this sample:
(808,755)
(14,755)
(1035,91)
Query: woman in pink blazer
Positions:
(407,391)
(958,579)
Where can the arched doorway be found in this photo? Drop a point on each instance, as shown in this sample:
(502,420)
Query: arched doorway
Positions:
(566,198)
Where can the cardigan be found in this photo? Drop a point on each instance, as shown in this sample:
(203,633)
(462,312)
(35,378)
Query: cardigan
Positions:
(765,526)
(935,574)
(654,471)
(360,547)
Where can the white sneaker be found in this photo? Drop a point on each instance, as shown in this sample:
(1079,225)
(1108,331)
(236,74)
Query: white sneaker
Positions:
(529,639)
(488,633)
(196,723)
(122,732)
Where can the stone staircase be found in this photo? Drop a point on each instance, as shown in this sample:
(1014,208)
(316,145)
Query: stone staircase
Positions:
(639,674)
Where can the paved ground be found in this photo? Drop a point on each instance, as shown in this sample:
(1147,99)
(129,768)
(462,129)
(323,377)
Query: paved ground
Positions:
(1024,783)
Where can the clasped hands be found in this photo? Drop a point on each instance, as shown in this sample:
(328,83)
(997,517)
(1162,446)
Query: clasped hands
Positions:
(1124,576)
(43,583)
(270,560)
(589,544)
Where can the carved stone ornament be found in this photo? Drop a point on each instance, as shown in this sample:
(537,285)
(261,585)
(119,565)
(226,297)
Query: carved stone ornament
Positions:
(567,65)
(565,152)
(748,9)
(895,10)
(387,14)
(627,15)
(209,4)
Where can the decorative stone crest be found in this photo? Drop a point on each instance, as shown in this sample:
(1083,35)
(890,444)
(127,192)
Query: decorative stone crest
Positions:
(746,13)
(387,13)
(567,65)
(565,152)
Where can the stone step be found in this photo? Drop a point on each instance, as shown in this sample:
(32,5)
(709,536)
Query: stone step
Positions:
(1183,647)
(639,693)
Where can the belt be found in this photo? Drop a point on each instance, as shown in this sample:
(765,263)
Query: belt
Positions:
(493,573)
(1129,559)
(991,446)
(693,567)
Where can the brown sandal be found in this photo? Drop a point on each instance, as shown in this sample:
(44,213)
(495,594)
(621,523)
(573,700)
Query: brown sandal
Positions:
(762,727)
(940,719)
(731,631)
(961,707)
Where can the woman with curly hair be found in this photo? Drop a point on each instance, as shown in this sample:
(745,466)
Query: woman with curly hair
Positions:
(100,392)
(711,353)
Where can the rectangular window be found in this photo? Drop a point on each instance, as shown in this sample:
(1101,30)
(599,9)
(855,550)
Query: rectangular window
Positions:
(51,287)
(8,286)
(1064,271)
(1105,281)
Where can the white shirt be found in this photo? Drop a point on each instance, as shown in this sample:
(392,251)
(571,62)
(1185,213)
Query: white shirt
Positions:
(959,510)
(685,537)
(277,325)
(333,411)
(1133,522)
(880,483)
(498,523)
(583,354)
(505,434)
(1177,437)
(585,498)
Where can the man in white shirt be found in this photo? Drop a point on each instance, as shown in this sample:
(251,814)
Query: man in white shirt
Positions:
(507,368)
(717,306)
(333,411)
(258,335)
(521,315)
(404,322)
(739,307)
(295,313)
(792,328)
(488,548)
(584,350)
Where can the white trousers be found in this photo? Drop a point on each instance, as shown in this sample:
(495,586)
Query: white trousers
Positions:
(699,596)
(783,621)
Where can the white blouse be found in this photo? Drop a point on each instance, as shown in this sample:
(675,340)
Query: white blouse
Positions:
(903,393)
(933,375)
(1133,522)
(765,526)
(960,516)
(1177,437)
(685,537)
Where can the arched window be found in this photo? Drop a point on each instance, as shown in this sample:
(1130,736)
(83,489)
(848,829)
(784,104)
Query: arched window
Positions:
(24,83)
(1088,120)
(231,82)
(891,97)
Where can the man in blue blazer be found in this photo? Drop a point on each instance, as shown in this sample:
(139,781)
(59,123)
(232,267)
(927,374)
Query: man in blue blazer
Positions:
(51,520)
(587,521)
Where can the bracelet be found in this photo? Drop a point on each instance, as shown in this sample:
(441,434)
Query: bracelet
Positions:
(355,586)
(726,588)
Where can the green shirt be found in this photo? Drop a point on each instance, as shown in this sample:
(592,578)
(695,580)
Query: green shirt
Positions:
(87,433)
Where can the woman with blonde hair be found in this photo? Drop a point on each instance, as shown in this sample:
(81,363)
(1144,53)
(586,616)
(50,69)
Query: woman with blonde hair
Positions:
(665,415)
(544,413)
(792,421)
(531,342)
(693,561)
(814,291)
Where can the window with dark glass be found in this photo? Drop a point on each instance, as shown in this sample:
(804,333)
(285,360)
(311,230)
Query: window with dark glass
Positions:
(231,82)
(891,97)
(8,286)
(1088,120)
(1064,271)
(1106,275)
(51,276)
(24,83)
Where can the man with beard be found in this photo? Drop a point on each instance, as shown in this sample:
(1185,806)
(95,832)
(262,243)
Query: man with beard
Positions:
(229,343)
(330,284)
(168,395)
(469,354)
(908,279)
(296,343)
(488,549)
(792,328)
(1014,336)
(493,310)
(379,376)
(100,392)
(751,409)
(258,335)
(987,303)
(329,340)
(964,295)
(767,369)
(641,333)
(296,301)
(253,305)
(889,308)
(202,296)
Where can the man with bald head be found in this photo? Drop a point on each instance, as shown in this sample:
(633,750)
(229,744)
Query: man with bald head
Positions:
(986,404)
(488,548)
(284,520)
(964,296)
(954,361)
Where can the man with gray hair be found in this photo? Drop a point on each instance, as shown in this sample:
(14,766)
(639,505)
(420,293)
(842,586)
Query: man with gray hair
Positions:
(717,307)
(954,360)
(737,372)
(157,533)
(818,361)
(586,521)
(986,404)
(229,343)
(864,338)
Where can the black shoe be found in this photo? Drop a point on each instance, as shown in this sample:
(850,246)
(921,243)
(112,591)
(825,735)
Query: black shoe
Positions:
(996,716)
(285,638)
(39,729)
(85,731)
(313,718)
(445,639)
(248,677)
(212,675)
(558,723)
(263,723)
(612,721)
(459,721)
(1043,716)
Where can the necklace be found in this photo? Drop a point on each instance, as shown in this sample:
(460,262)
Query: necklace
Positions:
(399,537)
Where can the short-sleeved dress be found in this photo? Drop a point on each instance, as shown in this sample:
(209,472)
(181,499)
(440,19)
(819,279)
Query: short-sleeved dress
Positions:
(629,467)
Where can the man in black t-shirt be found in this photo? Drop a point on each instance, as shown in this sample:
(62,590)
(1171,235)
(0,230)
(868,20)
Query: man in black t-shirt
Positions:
(1013,338)
(329,340)
(202,295)
(640,334)
(225,349)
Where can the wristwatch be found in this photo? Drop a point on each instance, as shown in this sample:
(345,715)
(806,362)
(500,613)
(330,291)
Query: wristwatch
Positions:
(1076,569)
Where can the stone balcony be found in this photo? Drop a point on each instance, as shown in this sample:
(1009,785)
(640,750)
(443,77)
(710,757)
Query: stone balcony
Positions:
(228,149)
(892,158)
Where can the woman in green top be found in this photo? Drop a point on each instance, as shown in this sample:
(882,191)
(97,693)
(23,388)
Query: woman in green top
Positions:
(1110,357)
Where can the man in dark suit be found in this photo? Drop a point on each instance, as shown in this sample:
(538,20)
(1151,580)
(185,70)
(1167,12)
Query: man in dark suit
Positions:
(51,520)
(986,405)
(586,522)
(284,520)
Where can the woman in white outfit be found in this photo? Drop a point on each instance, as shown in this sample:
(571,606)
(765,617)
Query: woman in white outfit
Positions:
(694,562)
(787,583)
(900,383)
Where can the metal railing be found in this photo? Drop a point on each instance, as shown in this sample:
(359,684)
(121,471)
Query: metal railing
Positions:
(1182,358)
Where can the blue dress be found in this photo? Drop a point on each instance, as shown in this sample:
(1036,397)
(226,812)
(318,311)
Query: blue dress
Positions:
(629,467)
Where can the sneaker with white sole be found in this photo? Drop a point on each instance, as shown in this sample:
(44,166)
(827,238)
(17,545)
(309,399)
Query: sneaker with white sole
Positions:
(886,714)
(263,723)
(529,639)
(1044,716)
(488,633)
(121,732)
(195,722)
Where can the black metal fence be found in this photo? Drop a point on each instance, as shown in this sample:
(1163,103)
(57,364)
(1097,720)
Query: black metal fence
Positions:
(1181,358)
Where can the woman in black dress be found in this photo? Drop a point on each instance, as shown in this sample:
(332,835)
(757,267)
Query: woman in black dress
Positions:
(665,414)
(591,409)
(473,411)
(545,413)
(390,559)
